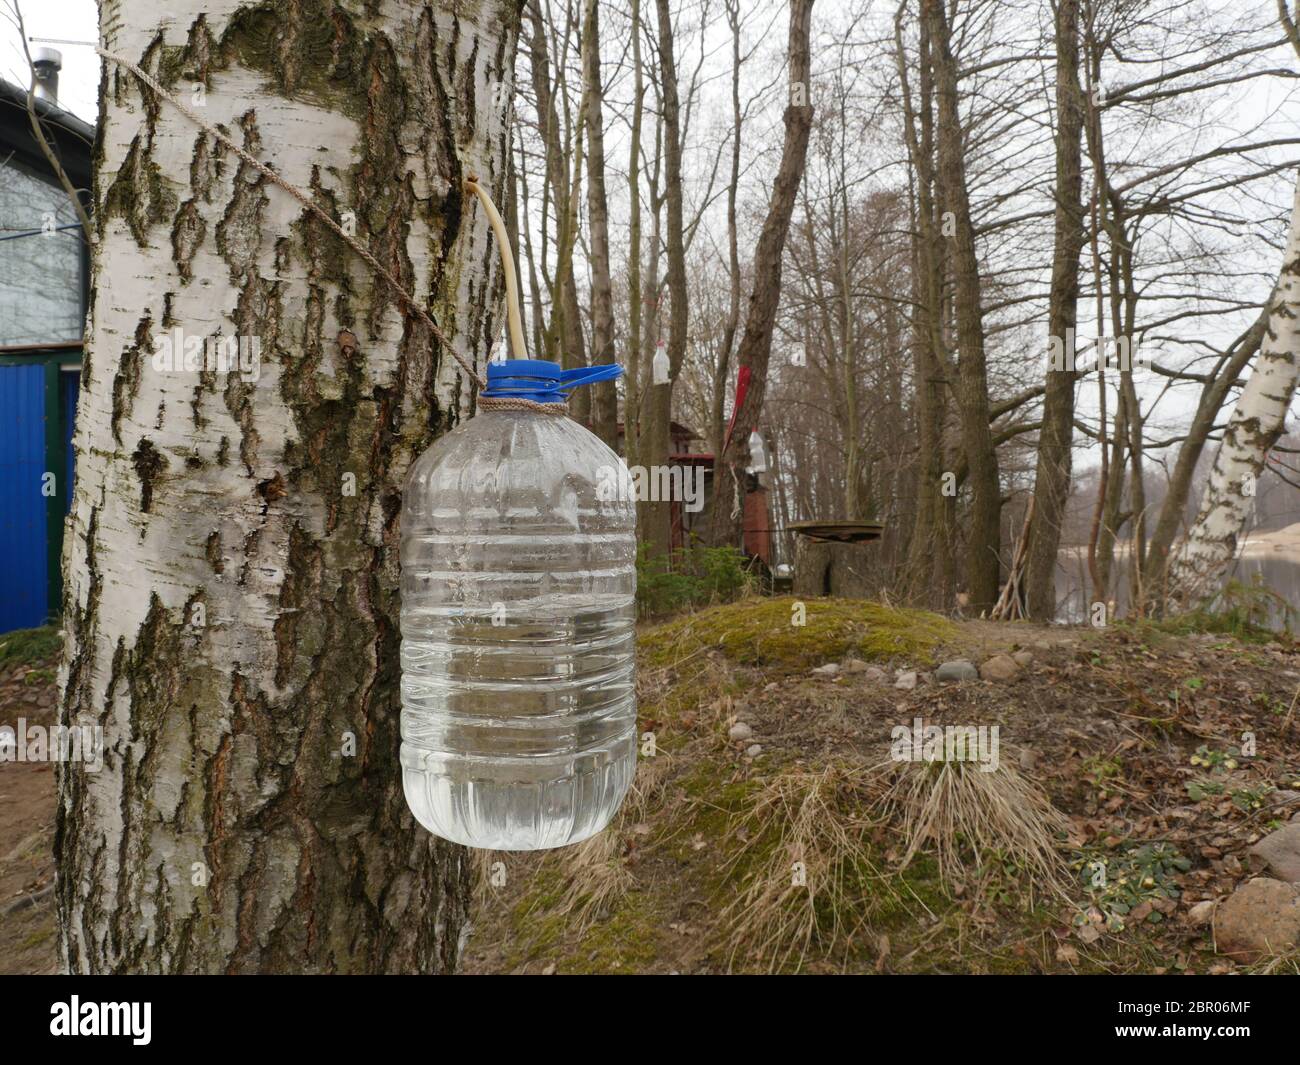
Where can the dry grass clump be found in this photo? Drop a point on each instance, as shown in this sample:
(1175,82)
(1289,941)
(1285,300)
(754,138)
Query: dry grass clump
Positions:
(590,878)
(805,868)
(595,878)
(577,884)
(1287,964)
(953,809)
(679,693)
(646,794)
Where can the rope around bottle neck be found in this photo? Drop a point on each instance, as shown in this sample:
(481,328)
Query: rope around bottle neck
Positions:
(502,403)
(408,301)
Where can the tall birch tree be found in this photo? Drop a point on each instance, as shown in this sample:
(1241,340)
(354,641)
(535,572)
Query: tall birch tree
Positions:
(231,607)
(1256,423)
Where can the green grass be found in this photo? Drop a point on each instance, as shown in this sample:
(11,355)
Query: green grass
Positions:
(25,646)
(1239,610)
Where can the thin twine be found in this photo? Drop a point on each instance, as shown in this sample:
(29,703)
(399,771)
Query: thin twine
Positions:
(484,402)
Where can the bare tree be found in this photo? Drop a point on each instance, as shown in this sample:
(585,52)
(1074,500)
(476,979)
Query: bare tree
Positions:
(756,343)
(972,388)
(604,399)
(656,530)
(1056,438)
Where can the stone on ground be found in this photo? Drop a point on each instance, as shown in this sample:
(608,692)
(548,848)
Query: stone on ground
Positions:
(1279,853)
(1261,918)
(956,671)
(999,667)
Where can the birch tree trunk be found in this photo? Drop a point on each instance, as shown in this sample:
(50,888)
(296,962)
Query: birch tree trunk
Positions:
(232,570)
(1230,366)
(1254,427)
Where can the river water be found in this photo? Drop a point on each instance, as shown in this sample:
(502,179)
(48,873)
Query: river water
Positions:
(1276,568)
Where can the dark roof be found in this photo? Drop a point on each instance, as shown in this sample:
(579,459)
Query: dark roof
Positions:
(70,137)
(677,429)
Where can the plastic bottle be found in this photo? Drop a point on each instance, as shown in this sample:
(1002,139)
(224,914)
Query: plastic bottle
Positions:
(518,614)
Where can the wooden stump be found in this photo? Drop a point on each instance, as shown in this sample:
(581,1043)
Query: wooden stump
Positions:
(831,569)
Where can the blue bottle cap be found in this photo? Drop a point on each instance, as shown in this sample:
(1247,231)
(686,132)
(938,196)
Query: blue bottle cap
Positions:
(542,381)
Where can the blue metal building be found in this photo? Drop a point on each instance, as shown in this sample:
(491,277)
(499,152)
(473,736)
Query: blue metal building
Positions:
(38,404)
(44,285)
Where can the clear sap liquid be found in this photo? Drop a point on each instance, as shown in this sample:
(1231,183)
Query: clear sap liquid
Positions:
(518,615)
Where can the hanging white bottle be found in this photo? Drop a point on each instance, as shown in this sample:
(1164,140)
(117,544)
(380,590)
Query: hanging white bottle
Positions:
(660,366)
(518,614)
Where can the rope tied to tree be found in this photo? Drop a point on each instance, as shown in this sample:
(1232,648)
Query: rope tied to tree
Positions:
(410,304)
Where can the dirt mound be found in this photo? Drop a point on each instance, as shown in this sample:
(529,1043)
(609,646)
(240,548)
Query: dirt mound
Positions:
(768,829)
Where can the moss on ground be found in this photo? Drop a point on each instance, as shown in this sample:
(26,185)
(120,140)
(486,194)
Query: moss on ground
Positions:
(765,633)
(722,830)
(625,938)
(626,941)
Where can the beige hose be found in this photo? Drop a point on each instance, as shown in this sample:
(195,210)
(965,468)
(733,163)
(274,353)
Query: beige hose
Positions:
(513,316)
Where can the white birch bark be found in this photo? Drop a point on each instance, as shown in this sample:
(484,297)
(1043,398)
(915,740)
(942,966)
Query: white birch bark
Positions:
(231,558)
(1256,423)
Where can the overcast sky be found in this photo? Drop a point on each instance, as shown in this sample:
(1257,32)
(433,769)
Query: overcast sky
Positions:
(64,19)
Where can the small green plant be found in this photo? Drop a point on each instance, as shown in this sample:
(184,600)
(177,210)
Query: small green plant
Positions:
(1204,788)
(1250,799)
(1004,879)
(1220,764)
(692,577)
(1215,761)
(1120,882)
(1098,770)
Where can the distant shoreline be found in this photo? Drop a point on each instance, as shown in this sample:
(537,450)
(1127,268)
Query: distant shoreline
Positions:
(1284,541)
